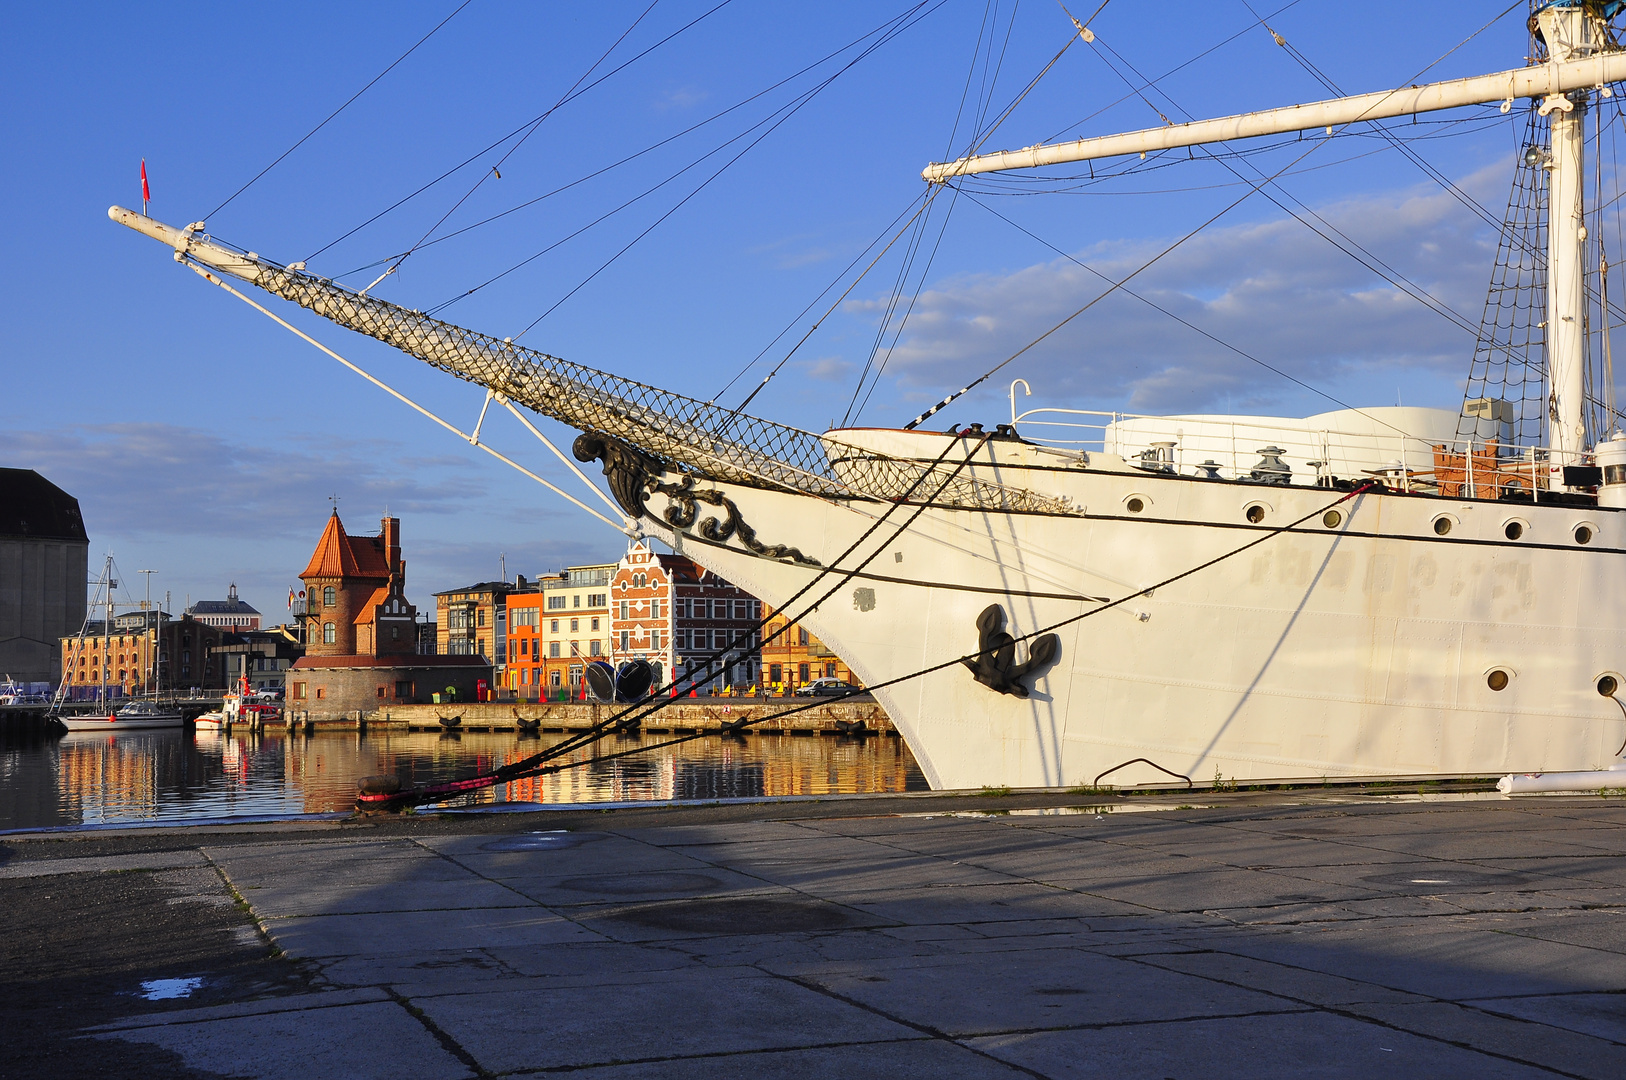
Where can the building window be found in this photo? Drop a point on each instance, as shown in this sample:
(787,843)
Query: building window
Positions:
(595,647)
(329,596)
(575,625)
(321,692)
(553,650)
(595,624)
(553,626)
(624,610)
(299,691)
(654,639)
(626,639)
(330,633)
(801,671)
(598,599)
(576,600)
(481,617)
(556,603)
(381,691)
(553,677)
(403,690)
(801,637)
(775,673)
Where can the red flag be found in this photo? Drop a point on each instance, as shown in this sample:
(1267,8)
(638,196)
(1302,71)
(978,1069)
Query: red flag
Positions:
(146,194)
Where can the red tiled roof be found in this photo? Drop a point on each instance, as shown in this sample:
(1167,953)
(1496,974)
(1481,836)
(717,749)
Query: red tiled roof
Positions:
(380,594)
(338,554)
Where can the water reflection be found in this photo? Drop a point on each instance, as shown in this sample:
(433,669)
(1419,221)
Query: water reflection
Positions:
(176,775)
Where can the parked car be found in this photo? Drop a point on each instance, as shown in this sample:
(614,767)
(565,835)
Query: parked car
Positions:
(824,687)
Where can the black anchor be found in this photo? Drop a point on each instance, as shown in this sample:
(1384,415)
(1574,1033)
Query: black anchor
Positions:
(995,664)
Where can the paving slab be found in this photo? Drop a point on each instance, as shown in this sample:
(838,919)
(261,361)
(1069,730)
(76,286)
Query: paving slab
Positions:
(390,933)
(607,888)
(1556,1048)
(661,1016)
(971,995)
(1294,983)
(379,1041)
(1276,1047)
(409,893)
(1602,1016)
(1018,901)
(1449,962)
(914,1059)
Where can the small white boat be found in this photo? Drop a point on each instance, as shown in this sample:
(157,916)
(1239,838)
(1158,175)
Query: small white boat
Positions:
(211,720)
(136,714)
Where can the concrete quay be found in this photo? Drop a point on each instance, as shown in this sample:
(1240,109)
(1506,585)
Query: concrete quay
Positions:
(1250,936)
(684,716)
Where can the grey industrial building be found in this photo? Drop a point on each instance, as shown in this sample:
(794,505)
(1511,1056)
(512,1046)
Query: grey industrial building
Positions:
(43,568)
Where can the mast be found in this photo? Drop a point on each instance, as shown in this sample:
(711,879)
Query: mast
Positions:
(1567,30)
(1556,77)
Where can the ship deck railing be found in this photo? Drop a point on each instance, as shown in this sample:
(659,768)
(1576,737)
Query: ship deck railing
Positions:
(1227,449)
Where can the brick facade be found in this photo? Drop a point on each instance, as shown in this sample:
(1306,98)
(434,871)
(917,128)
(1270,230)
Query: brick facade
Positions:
(361,637)
(682,618)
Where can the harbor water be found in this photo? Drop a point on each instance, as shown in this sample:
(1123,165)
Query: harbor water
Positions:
(178,775)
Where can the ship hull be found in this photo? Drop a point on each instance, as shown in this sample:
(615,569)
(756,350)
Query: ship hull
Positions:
(1365,648)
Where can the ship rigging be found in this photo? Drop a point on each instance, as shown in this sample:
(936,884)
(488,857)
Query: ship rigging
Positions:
(1438,618)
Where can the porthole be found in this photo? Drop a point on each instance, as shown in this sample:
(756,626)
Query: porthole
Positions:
(1497,680)
(1607,685)
(1135,504)
(1513,530)
(1583,534)
(1255,513)
(1442,525)
(1332,519)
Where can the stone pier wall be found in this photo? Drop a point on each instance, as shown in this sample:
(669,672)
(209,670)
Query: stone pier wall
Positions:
(576,715)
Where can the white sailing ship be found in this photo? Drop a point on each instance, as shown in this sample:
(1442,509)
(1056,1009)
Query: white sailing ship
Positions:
(1366,593)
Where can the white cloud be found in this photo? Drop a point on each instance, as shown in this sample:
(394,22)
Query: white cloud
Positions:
(829,369)
(1274,289)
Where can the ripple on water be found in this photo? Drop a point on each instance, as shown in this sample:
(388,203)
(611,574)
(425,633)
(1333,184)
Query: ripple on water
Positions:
(180,775)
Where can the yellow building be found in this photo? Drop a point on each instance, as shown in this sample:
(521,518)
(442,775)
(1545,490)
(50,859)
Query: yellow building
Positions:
(795,658)
(122,656)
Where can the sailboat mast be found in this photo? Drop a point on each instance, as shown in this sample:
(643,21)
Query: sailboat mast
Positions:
(1567,31)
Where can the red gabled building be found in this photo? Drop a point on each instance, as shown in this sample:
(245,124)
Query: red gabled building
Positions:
(361,642)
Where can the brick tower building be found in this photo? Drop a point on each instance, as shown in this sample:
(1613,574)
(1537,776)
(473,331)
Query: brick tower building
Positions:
(361,649)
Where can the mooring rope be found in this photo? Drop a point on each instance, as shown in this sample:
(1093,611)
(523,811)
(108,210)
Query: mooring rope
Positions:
(387,790)
(378,792)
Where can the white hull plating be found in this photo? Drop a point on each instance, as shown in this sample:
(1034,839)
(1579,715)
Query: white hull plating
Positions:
(1358,649)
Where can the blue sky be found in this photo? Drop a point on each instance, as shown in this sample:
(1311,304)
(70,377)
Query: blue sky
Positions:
(203,441)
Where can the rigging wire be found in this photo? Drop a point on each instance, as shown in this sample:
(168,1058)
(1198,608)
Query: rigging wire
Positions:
(951,398)
(495,169)
(1365,257)
(988,25)
(337,111)
(492,146)
(855,408)
(924,197)
(788,112)
(633,156)
(1155,306)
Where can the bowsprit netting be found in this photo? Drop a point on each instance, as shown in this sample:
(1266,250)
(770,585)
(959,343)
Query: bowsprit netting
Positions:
(692,436)
(1506,397)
